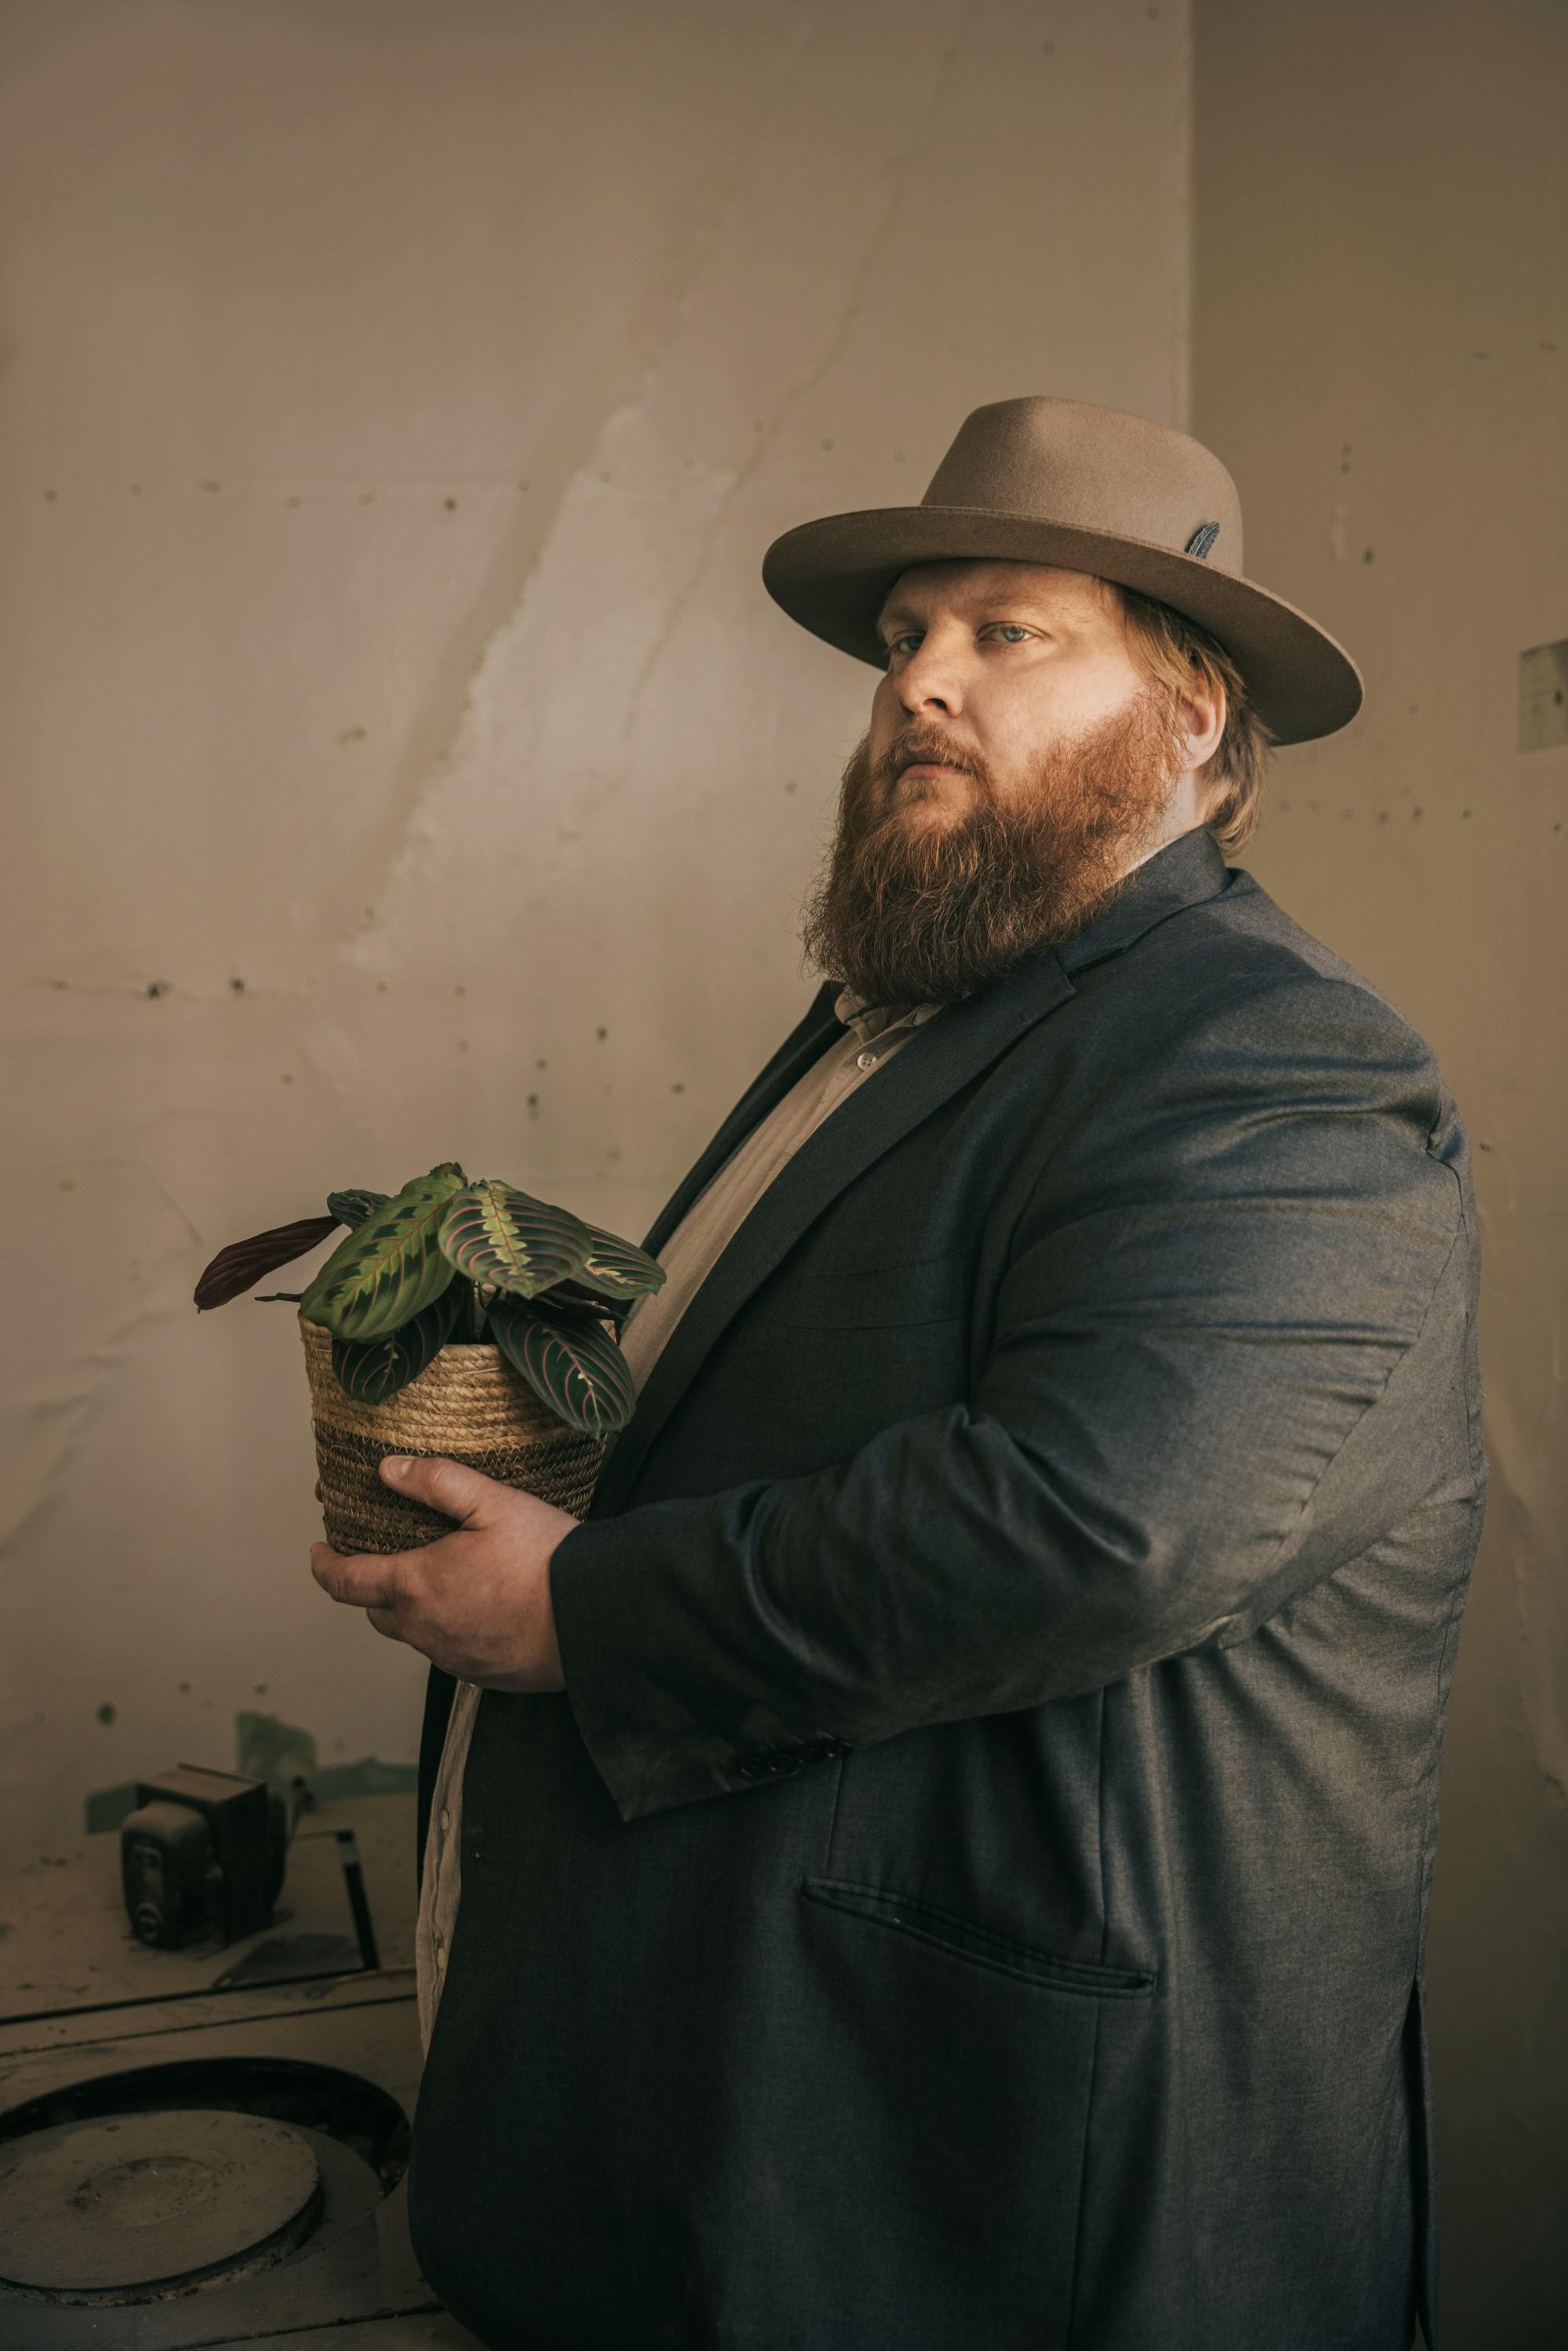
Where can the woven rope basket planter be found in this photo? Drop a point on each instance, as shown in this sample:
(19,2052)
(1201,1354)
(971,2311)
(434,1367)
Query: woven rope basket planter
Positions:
(469,1405)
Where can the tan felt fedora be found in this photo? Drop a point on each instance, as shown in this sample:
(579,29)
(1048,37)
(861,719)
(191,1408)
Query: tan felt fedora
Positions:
(1062,482)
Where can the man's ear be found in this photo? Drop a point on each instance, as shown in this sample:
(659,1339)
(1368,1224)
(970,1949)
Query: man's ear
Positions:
(1203,711)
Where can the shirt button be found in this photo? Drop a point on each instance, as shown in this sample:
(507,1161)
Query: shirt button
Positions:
(865,1061)
(446,1818)
(440,1956)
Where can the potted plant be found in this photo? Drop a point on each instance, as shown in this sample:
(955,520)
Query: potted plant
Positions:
(460,1319)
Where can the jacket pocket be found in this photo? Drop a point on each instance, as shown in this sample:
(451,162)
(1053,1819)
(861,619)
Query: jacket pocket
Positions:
(961,1939)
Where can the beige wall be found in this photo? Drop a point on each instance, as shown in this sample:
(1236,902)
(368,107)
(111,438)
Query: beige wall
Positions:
(396,403)
(1381,351)
(398,400)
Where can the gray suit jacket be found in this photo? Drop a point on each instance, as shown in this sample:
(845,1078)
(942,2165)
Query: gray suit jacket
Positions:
(973,1889)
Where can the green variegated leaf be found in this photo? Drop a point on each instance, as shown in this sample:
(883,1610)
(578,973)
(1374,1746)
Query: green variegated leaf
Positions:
(371,1370)
(391,1267)
(598,1301)
(352,1207)
(570,1360)
(613,1270)
(506,1240)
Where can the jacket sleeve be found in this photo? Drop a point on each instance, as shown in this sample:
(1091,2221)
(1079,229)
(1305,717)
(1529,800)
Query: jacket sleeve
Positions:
(1190,1325)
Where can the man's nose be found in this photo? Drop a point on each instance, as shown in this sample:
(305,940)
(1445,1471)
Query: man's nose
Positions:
(930,680)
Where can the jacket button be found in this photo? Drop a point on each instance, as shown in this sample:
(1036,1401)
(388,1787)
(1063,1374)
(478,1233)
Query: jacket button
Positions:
(749,1768)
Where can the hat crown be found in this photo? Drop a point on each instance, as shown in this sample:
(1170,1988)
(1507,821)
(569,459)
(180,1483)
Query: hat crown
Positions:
(1093,468)
(1063,483)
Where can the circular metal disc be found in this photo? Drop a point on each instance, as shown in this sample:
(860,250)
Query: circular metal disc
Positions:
(149,2199)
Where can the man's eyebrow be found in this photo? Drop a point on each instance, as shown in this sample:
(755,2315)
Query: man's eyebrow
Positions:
(1012,601)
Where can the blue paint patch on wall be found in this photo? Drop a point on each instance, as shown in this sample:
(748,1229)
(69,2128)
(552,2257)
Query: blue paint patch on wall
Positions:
(266,1747)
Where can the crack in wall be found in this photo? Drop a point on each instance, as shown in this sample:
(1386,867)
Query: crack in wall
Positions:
(592,412)
(495,685)
(892,174)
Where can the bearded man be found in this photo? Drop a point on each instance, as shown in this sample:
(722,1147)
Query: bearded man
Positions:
(944,1846)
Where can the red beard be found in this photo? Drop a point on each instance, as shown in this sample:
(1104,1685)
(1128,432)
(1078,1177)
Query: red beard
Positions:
(917,909)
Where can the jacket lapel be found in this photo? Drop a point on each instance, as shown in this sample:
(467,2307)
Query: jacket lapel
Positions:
(938,1060)
(789,1065)
(940,1057)
(1183,873)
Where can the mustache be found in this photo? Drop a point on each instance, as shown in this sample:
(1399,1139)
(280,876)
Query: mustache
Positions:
(919,748)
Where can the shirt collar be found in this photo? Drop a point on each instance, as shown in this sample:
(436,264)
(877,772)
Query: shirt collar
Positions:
(868,1020)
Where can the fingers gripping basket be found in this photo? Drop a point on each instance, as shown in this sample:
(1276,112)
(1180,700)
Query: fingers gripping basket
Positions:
(468,1405)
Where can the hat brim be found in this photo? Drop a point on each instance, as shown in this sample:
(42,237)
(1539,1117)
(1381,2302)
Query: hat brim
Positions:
(832,576)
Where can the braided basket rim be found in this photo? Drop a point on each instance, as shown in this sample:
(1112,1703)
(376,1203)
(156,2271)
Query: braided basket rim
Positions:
(468,1395)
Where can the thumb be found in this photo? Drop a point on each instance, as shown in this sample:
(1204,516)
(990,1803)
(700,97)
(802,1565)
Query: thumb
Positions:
(447,1486)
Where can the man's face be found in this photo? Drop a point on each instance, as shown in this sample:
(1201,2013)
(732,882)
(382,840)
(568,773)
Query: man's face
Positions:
(1017,765)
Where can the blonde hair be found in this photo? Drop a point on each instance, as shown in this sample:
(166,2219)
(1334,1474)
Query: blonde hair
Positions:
(1171,647)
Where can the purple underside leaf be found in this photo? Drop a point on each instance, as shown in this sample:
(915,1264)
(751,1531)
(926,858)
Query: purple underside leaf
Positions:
(240,1266)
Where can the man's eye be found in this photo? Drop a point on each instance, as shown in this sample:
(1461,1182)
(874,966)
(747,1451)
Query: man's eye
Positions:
(1011,629)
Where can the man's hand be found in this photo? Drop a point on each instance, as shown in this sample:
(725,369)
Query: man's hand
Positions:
(476,1602)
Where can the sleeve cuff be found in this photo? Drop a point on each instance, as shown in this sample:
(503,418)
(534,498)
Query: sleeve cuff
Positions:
(618,1628)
